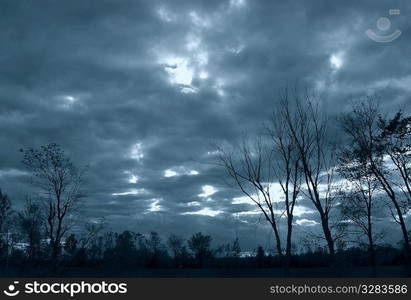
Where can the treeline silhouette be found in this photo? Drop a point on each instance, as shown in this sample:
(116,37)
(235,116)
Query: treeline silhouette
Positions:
(113,253)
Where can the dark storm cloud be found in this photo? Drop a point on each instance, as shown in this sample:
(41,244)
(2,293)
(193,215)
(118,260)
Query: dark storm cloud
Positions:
(135,88)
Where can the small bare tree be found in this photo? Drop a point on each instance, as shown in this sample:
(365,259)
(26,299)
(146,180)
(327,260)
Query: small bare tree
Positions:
(200,245)
(5,209)
(30,222)
(91,232)
(5,213)
(357,203)
(176,245)
(57,178)
(307,126)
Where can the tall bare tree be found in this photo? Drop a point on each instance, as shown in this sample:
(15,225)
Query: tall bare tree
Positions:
(287,169)
(250,167)
(56,176)
(307,125)
(365,136)
(396,140)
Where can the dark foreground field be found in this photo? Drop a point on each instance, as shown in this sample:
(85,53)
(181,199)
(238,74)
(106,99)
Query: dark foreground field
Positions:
(382,271)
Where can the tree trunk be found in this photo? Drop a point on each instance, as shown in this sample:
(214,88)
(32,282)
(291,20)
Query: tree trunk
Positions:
(288,246)
(391,194)
(405,234)
(278,241)
(327,235)
(371,247)
(371,250)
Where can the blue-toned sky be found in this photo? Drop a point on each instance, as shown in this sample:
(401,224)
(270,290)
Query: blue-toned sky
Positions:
(141,90)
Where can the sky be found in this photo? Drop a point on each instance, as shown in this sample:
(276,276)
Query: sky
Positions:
(140,91)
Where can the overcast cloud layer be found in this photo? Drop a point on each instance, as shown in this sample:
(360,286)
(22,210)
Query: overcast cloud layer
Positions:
(140,90)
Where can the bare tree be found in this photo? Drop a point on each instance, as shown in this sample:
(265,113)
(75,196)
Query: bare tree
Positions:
(235,249)
(395,138)
(60,182)
(250,167)
(287,169)
(70,244)
(307,126)
(5,208)
(5,212)
(156,248)
(366,138)
(30,221)
(199,244)
(92,230)
(176,245)
(358,203)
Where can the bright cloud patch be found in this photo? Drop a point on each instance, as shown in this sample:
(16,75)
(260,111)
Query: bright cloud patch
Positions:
(249,212)
(179,71)
(155,205)
(132,178)
(208,190)
(131,192)
(242,200)
(275,191)
(70,99)
(170,173)
(189,63)
(136,152)
(336,61)
(203,75)
(300,210)
(204,212)
(306,222)
(67,101)
(179,171)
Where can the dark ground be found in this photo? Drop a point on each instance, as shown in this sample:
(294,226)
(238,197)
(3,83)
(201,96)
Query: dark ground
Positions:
(382,271)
